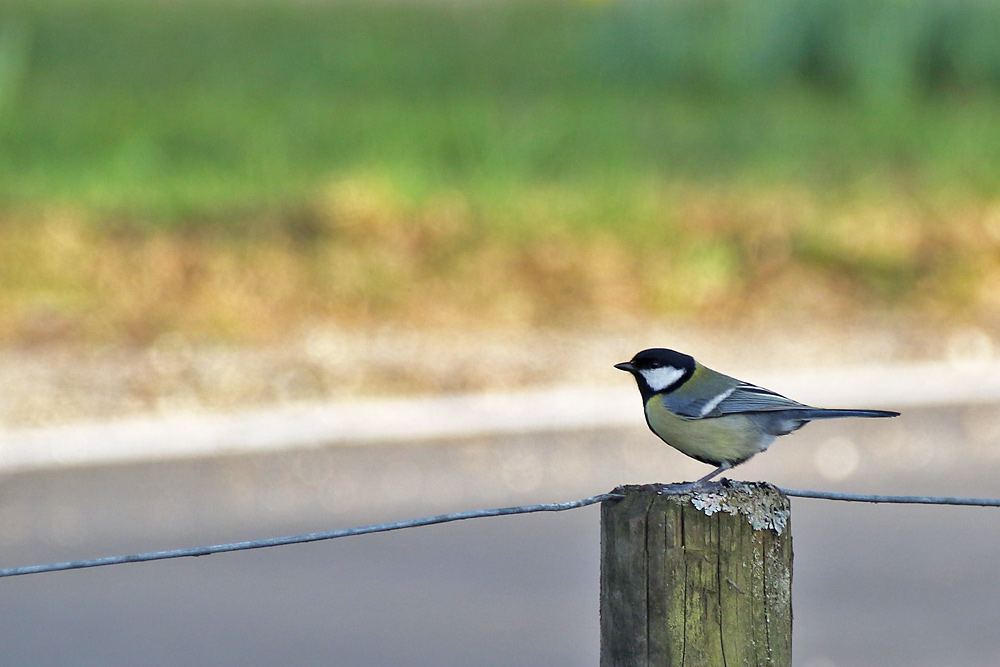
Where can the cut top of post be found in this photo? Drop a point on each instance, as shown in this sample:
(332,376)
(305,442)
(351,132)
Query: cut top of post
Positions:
(763,504)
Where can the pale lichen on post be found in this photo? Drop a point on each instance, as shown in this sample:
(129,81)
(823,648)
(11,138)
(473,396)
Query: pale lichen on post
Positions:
(762,505)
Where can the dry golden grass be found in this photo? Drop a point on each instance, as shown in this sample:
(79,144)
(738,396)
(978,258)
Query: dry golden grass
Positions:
(361,256)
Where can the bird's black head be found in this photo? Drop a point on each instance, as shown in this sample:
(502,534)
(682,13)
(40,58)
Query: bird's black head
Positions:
(658,370)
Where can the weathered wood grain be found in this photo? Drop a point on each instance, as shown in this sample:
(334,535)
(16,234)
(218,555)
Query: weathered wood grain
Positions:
(698,579)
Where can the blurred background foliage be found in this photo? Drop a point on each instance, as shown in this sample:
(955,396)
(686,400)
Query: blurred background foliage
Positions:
(239,169)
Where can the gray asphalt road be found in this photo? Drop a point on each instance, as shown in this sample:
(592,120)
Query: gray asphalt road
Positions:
(874,585)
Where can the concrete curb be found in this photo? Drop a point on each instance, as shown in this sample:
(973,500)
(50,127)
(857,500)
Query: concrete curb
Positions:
(353,423)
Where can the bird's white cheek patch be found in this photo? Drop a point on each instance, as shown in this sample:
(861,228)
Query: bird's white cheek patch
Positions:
(659,379)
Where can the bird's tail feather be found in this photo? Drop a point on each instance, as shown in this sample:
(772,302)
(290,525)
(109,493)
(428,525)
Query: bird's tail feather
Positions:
(824,413)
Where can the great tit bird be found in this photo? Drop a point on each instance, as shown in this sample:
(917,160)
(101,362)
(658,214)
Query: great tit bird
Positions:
(715,418)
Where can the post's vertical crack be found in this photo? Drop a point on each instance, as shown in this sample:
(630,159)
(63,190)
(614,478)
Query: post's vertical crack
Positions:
(718,574)
(767,615)
(645,546)
(687,600)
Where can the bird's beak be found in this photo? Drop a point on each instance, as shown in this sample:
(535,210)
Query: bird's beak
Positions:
(625,366)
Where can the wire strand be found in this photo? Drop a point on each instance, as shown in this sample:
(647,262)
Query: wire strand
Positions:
(907,500)
(301,539)
(456,516)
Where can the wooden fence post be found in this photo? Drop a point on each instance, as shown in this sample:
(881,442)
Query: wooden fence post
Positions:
(699,580)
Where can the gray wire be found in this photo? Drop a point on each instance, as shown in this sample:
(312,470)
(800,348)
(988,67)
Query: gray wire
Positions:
(445,518)
(301,539)
(869,498)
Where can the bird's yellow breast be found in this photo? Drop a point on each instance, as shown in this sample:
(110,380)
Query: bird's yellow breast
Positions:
(731,439)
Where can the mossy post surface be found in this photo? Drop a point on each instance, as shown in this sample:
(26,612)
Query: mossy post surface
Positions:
(696,579)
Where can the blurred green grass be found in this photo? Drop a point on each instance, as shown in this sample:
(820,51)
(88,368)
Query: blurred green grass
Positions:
(534,138)
(196,109)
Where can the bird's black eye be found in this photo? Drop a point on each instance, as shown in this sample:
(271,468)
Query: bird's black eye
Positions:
(654,363)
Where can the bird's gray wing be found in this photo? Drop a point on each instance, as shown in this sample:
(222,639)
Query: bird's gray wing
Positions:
(750,398)
(741,397)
